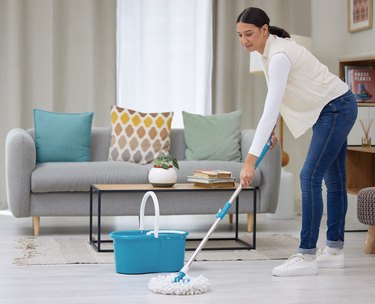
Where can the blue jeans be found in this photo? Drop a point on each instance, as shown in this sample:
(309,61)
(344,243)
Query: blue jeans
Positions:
(326,160)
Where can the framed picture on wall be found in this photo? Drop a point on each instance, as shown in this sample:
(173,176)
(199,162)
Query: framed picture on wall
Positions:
(359,15)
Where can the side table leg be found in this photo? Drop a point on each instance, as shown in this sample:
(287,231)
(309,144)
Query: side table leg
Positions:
(90,232)
(255,192)
(99,219)
(237,203)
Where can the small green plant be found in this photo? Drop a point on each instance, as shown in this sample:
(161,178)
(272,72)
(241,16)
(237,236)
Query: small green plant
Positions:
(165,161)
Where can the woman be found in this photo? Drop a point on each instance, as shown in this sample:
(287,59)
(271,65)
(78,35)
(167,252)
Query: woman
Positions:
(307,95)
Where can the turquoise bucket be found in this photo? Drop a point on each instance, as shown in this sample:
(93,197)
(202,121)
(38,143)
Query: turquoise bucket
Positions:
(139,251)
(145,251)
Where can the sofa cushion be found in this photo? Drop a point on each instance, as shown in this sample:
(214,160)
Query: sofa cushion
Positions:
(213,137)
(139,137)
(62,137)
(77,177)
(73,177)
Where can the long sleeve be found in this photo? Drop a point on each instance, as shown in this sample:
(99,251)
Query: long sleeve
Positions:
(279,68)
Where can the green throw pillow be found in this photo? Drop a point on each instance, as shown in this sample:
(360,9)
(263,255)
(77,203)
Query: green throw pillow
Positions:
(61,137)
(213,137)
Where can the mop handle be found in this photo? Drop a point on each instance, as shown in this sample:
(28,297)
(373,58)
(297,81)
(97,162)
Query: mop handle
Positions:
(223,212)
(264,151)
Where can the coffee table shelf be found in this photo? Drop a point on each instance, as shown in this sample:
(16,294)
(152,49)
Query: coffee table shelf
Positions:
(101,189)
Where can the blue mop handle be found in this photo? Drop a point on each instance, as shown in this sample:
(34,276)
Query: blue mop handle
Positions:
(222,212)
(264,151)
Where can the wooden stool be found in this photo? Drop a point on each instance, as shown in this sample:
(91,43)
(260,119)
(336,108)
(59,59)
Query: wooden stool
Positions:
(366,215)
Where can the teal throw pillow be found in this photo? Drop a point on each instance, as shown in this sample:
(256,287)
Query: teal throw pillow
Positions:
(213,137)
(62,137)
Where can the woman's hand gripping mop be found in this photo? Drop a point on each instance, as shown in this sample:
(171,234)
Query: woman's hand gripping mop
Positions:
(182,284)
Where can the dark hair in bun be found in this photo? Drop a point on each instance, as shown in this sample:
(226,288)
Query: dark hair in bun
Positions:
(258,17)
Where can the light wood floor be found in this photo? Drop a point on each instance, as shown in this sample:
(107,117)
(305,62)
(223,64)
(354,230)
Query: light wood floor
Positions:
(231,282)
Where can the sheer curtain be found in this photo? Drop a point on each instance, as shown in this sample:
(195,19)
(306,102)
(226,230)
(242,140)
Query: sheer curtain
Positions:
(164,56)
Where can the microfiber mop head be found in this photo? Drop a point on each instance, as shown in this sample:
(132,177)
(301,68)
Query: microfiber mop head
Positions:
(166,285)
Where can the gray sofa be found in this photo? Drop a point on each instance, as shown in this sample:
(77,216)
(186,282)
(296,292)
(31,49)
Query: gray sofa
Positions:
(62,189)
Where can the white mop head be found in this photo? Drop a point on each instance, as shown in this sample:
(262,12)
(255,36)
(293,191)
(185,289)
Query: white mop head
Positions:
(165,285)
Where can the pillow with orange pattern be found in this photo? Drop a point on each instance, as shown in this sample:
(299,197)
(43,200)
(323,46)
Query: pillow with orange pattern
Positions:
(139,137)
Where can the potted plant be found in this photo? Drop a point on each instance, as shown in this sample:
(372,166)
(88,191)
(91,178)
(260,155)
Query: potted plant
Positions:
(163,173)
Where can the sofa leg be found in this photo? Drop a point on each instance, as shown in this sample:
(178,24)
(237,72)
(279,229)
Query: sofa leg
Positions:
(370,240)
(230,218)
(36,225)
(250,222)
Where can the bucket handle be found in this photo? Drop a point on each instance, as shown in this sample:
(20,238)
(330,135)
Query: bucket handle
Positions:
(157,212)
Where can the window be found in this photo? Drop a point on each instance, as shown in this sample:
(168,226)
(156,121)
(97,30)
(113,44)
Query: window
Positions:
(164,56)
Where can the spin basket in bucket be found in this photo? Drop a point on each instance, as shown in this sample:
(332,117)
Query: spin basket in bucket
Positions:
(144,251)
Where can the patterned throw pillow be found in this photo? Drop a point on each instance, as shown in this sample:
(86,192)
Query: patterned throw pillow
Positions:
(139,137)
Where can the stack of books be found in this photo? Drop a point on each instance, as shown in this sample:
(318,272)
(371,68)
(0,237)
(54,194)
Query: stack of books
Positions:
(212,178)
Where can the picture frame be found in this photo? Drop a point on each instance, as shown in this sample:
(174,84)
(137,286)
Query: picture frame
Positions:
(360,15)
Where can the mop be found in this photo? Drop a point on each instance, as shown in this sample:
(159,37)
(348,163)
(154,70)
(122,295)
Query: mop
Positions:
(182,284)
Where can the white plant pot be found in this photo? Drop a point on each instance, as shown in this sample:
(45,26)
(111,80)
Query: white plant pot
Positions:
(160,177)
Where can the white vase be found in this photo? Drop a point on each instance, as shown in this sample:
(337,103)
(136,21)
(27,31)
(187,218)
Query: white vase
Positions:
(160,177)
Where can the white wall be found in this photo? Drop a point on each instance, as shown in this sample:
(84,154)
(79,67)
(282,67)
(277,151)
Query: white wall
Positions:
(332,40)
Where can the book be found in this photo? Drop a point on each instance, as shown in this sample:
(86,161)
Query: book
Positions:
(212,173)
(363,84)
(215,185)
(198,179)
(348,69)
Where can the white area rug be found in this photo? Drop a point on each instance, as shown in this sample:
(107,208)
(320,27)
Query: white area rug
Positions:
(46,250)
